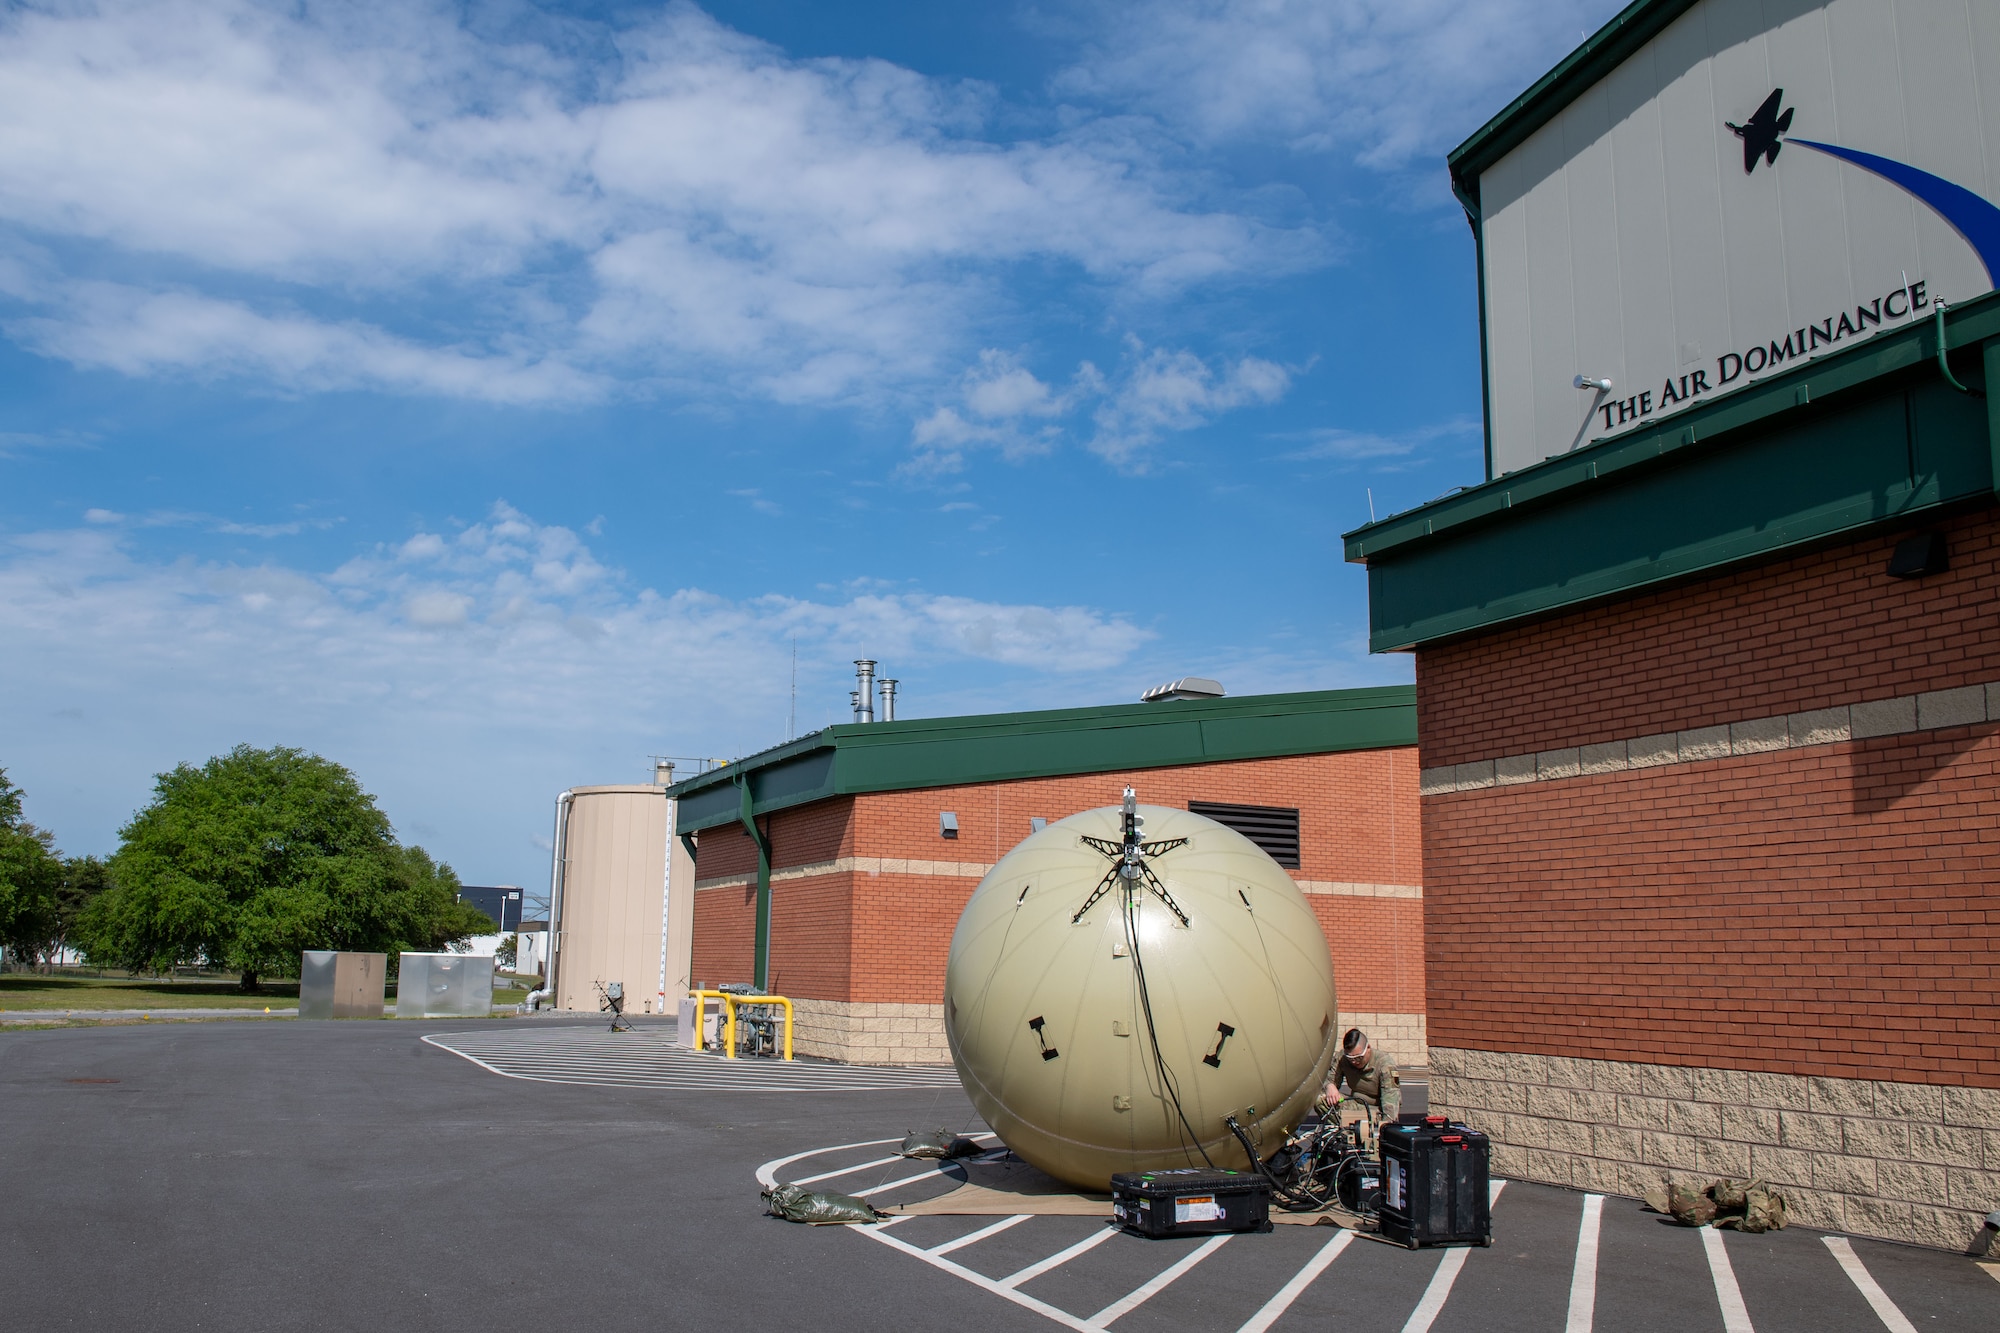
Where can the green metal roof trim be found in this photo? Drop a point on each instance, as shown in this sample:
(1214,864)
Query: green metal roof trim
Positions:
(1865,437)
(998,747)
(1607,48)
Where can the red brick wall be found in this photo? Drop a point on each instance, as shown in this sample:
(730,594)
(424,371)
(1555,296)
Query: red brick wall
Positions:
(822,831)
(1813,631)
(725,934)
(1822,911)
(884,937)
(1378,951)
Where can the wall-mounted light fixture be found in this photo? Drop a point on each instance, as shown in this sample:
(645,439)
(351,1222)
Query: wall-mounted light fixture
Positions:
(1917,556)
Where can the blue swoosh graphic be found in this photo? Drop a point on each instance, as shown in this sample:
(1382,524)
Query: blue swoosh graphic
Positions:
(1972,217)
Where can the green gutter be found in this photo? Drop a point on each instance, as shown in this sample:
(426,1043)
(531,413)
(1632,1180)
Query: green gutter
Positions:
(1556,479)
(748,818)
(1872,437)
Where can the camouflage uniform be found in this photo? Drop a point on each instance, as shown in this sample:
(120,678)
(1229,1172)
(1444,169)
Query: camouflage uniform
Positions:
(1374,1083)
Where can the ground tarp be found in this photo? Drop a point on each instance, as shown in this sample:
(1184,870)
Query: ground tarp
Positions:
(1007,1186)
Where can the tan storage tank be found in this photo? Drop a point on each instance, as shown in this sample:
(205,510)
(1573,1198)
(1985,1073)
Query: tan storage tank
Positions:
(610,891)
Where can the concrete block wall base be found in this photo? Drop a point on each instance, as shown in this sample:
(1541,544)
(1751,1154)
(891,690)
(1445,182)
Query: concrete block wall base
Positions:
(1910,1162)
(1403,1036)
(870,1034)
(907,1034)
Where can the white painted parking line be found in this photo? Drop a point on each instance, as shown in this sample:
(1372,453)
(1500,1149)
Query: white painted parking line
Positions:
(845,1170)
(1583,1278)
(931,1174)
(1002,1289)
(652,1059)
(1432,1304)
(1057,1260)
(1127,1304)
(885,1161)
(1448,1268)
(1735,1318)
(1878,1299)
(979,1235)
(1302,1279)
(767,1174)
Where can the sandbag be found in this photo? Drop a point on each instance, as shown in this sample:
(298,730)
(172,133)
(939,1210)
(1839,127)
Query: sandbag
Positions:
(1740,1205)
(1763,1210)
(818,1208)
(1690,1208)
(937,1144)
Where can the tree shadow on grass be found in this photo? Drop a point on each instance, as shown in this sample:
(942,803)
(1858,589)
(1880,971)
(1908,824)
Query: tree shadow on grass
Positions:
(21,983)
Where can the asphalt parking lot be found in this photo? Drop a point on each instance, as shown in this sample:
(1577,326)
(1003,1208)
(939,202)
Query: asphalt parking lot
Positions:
(279,1175)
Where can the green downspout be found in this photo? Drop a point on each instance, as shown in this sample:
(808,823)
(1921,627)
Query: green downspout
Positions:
(1992,356)
(762,978)
(1468,199)
(1944,364)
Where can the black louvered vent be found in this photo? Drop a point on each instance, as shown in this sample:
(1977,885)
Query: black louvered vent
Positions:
(1271,827)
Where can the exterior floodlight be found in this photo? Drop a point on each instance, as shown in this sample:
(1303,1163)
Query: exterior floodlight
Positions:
(1602,386)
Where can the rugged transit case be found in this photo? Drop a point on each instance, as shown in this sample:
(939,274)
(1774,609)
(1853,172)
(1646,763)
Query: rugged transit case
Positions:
(1190,1201)
(1434,1183)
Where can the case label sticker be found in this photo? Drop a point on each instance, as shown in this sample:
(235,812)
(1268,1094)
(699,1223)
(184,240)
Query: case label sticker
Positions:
(1197,1210)
(1395,1183)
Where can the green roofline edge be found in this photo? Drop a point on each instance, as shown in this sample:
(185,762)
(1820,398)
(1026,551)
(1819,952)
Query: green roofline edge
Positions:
(1872,438)
(918,753)
(1607,48)
(1911,346)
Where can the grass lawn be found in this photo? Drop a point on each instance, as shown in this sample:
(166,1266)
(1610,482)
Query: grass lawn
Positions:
(25,990)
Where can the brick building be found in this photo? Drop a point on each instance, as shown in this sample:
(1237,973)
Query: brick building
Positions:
(1709,682)
(841,844)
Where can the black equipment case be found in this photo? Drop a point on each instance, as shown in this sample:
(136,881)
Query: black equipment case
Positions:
(1190,1201)
(1434,1183)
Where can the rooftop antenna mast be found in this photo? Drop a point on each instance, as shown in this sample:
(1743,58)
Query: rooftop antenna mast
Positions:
(1129,856)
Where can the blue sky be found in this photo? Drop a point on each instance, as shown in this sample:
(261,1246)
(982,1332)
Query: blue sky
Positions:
(492,396)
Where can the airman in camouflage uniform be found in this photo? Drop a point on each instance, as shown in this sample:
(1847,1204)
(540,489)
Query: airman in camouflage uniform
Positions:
(1370,1076)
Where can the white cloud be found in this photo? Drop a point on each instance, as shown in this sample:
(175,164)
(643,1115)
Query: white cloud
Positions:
(1334,444)
(1175,391)
(1389,82)
(377,195)
(466,675)
(538,624)
(1157,392)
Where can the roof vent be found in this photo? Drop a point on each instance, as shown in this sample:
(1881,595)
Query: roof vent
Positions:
(1187,687)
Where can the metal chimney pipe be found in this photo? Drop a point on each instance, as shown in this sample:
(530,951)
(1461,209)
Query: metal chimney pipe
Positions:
(854,702)
(663,773)
(864,674)
(889,699)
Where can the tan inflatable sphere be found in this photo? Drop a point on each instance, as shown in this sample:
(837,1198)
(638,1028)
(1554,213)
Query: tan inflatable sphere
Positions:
(1047,1016)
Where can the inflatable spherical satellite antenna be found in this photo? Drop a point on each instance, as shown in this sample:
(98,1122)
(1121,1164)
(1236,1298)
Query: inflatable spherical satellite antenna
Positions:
(1113,996)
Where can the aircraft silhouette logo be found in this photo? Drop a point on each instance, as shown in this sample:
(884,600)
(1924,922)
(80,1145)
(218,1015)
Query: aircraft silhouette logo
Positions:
(1975,218)
(1763,133)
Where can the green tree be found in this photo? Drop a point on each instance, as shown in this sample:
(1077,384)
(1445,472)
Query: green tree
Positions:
(30,875)
(59,924)
(258,855)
